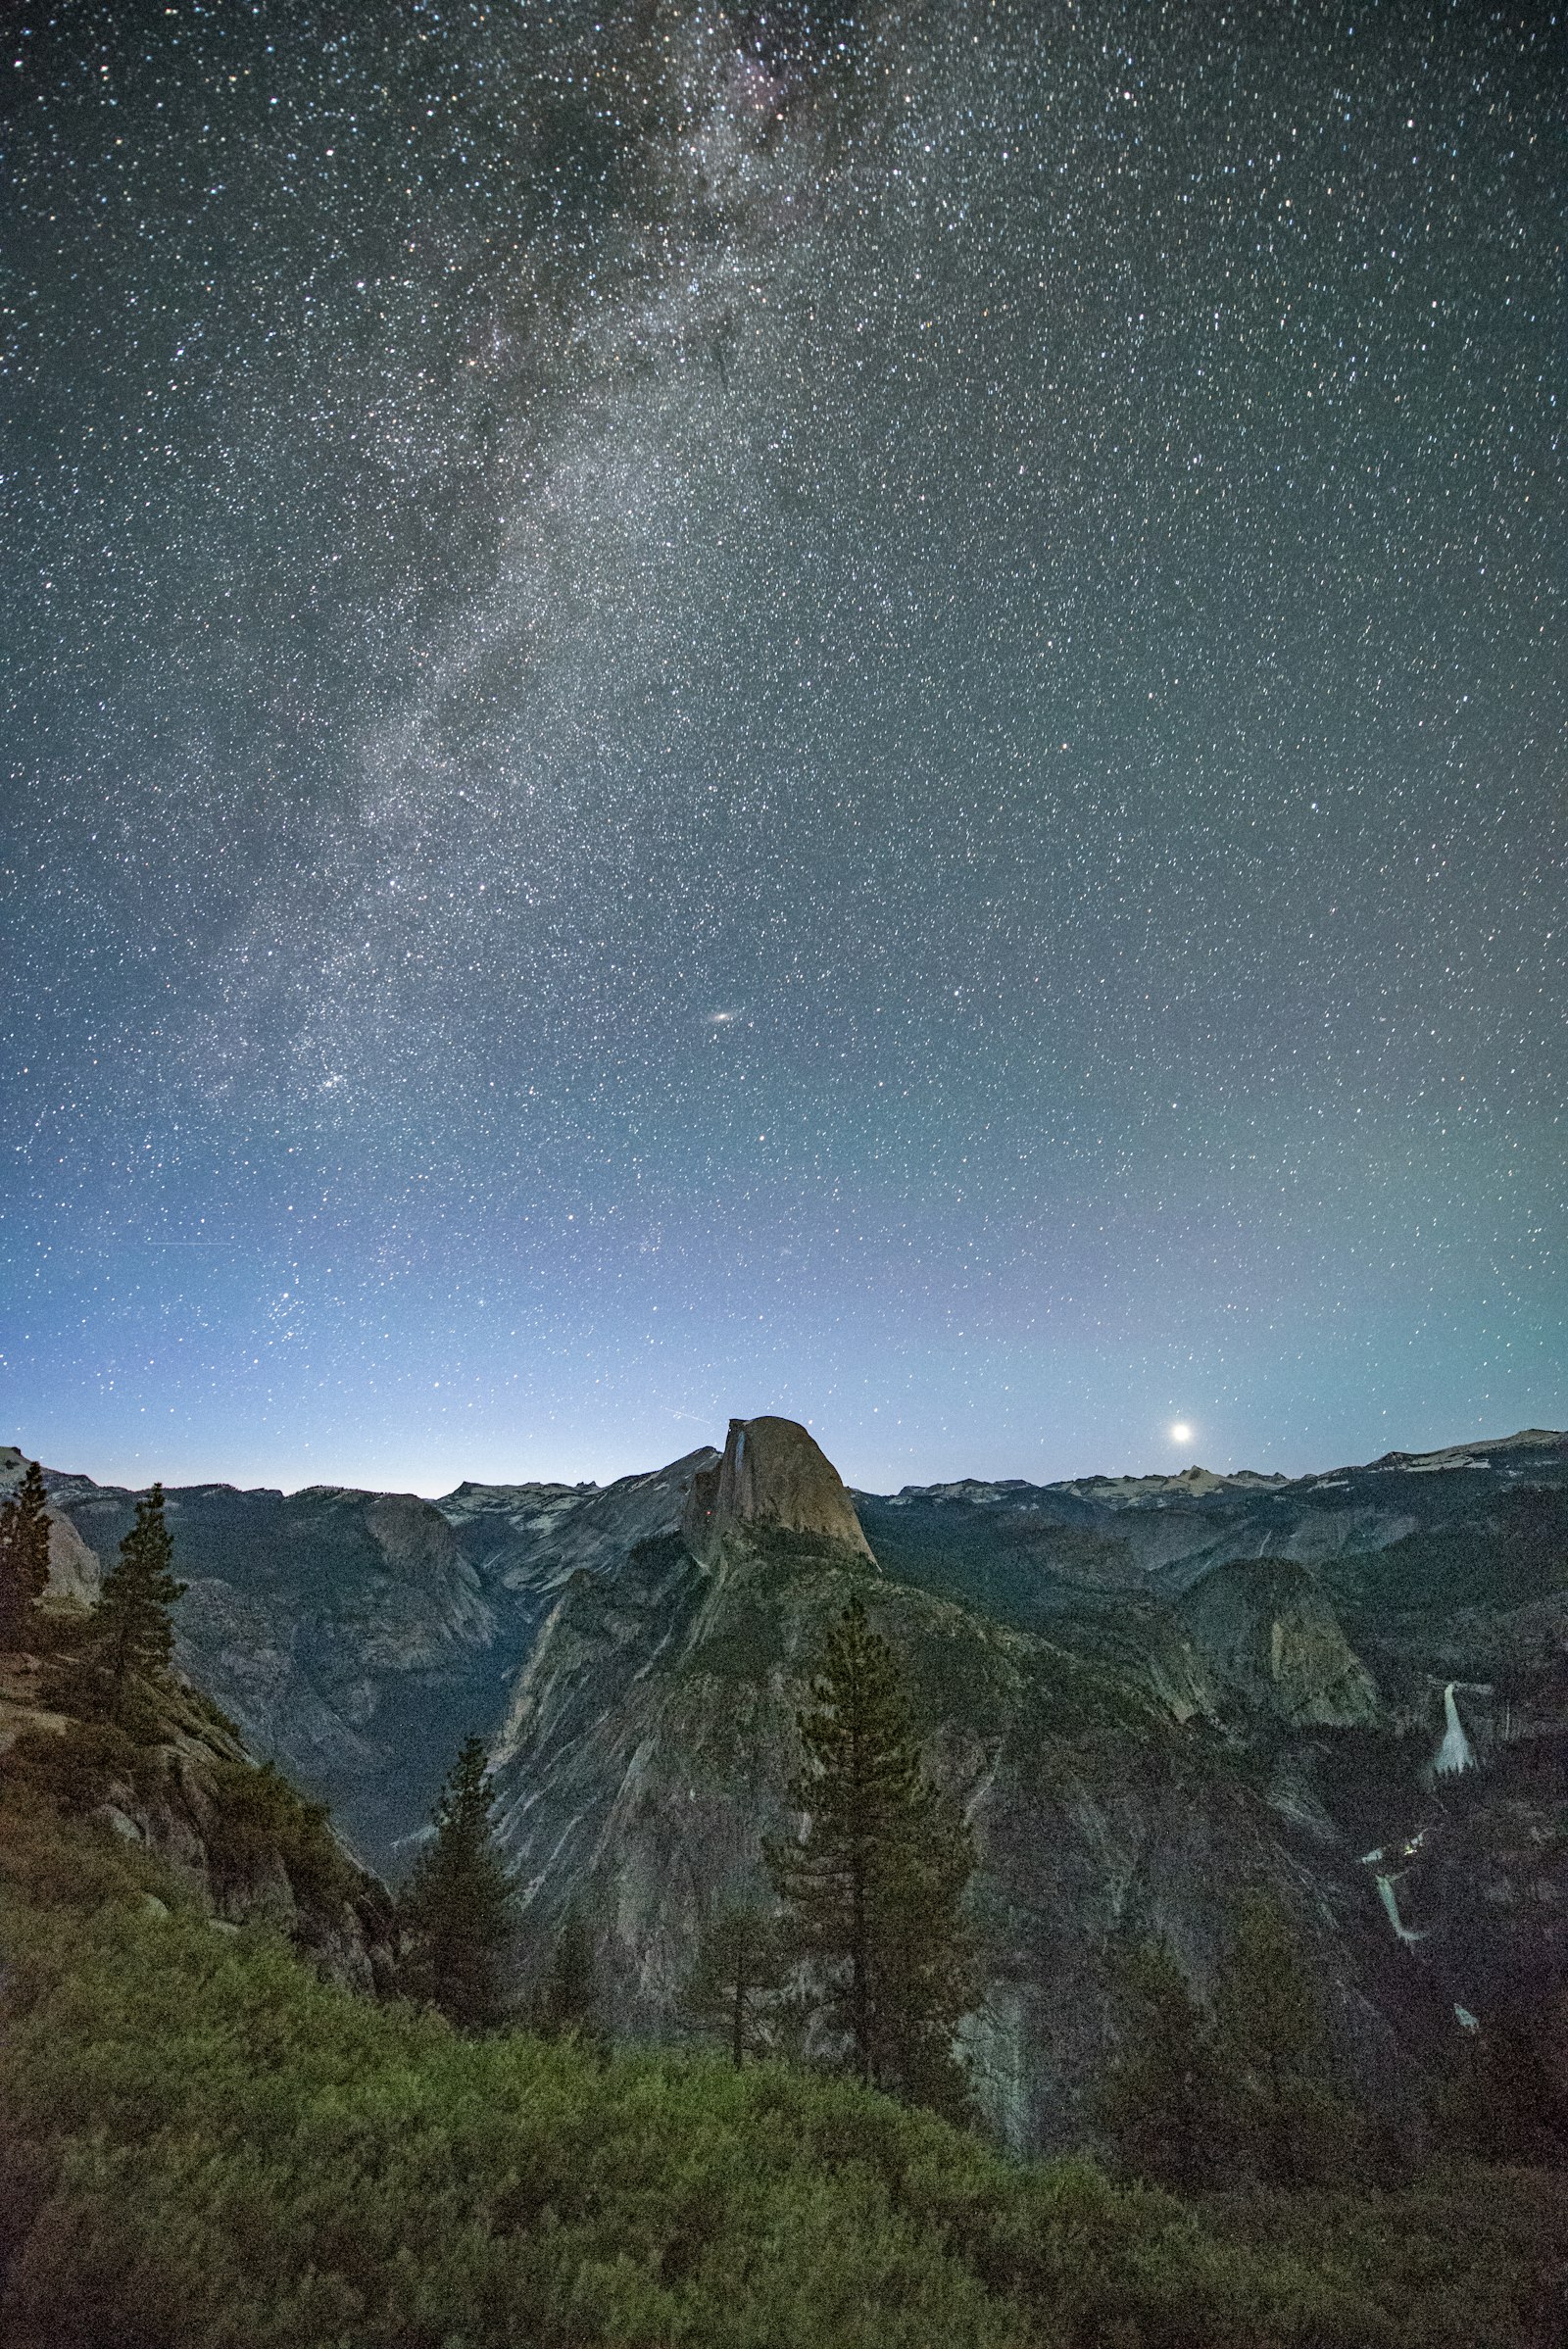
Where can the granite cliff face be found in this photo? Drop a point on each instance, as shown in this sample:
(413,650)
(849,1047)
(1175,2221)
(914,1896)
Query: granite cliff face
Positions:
(237,1840)
(772,1472)
(1146,1694)
(1145,1698)
(648,1750)
(1267,1634)
(357,1636)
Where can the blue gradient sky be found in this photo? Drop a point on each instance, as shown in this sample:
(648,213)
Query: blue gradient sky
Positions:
(852,715)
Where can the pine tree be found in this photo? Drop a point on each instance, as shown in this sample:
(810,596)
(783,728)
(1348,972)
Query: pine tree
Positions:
(134,1632)
(1287,2123)
(23,1556)
(455,1914)
(873,1891)
(565,2004)
(1157,2099)
(736,1982)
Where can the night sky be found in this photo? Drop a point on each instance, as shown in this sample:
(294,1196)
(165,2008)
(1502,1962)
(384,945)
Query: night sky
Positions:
(855,712)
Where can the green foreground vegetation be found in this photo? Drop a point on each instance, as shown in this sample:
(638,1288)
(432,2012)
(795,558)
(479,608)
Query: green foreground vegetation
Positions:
(206,2144)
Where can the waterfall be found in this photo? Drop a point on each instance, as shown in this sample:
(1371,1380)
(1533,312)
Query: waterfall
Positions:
(1390,1903)
(1456,1754)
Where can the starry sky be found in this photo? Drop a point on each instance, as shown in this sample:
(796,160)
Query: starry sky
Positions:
(856,710)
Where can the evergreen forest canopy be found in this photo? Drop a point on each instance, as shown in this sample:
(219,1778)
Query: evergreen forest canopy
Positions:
(205,2141)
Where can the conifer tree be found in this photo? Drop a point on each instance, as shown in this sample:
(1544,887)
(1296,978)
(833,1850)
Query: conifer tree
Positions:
(134,1632)
(873,1891)
(1157,2099)
(735,1985)
(1287,2123)
(24,1555)
(566,2003)
(455,1914)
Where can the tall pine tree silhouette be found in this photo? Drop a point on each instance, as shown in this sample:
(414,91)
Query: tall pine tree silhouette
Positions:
(733,1990)
(873,1891)
(1288,2122)
(23,1556)
(1158,2100)
(134,1632)
(457,1912)
(566,2001)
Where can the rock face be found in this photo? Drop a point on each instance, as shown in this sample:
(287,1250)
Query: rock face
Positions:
(356,1637)
(191,1798)
(649,1749)
(74,1570)
(345,1633)
(1132,1746)
(774,1471)
(1266,1632)
(1146,1694)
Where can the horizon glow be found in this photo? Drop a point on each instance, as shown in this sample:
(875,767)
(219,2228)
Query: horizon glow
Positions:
(708,717)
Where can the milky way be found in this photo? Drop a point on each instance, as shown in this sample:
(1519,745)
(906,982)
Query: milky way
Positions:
(857,712)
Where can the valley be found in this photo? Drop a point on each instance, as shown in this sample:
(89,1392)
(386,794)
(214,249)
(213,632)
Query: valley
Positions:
(1146,1695)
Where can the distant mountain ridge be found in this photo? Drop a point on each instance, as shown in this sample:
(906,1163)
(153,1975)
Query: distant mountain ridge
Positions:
(1146,1694)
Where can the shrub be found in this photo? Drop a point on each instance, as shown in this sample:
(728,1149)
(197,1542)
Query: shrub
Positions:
(206,2145)
(256,1814)
(76,1768)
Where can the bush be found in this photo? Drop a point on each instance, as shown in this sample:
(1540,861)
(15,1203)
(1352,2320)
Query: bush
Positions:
(206,2145)
(76,1768)
(256,1814)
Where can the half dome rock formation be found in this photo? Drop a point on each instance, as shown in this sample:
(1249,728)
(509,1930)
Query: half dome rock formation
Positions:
(772,1472)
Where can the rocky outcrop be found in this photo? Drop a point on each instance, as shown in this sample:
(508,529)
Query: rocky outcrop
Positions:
(236,1838)
(1267,1634)
(773,1472)
(74,1570)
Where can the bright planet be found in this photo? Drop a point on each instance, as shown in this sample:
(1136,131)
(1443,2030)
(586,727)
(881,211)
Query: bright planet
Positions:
(759,758)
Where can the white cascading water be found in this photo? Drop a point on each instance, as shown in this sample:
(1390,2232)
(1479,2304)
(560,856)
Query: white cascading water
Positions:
(1456,1754)
(1391,1902)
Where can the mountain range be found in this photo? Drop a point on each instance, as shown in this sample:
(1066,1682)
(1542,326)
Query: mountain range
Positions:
(1147,1694)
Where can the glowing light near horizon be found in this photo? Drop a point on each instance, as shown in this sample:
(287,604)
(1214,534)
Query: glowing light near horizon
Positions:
(668,702)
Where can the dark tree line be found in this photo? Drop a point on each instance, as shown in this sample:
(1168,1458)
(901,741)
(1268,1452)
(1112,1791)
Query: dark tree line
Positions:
(23,1556)
(1243,2087)
(120,1660)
